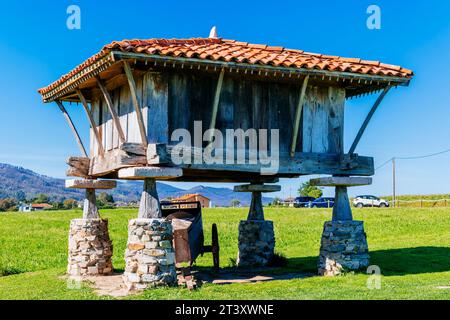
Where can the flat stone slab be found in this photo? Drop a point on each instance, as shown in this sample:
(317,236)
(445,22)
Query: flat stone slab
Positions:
(341,181)
(266,188)
(90,184)
(157,173)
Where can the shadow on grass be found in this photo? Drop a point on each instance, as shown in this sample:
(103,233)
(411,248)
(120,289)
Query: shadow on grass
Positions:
(399,262)
(393,262)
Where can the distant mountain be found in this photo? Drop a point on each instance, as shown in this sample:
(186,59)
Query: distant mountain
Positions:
(17,182)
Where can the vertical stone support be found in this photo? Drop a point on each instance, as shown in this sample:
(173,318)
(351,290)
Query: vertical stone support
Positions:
(150,207)
(256,235)
(90,248)
(150,257)
(90,210)
(344,242)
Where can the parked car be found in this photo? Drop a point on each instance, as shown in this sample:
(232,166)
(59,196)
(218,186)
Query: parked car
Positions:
(370,201)
(322,202)
(303,202)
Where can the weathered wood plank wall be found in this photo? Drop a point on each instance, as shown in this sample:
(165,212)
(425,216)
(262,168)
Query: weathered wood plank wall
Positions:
(175,100)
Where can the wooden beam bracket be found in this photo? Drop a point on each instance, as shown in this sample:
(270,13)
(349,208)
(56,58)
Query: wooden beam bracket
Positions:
(113,112)
(72,127)
(298,115)
(368,118)
(91,121)
(136,104)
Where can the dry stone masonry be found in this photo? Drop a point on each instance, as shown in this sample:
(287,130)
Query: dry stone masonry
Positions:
(90,248)
(343,248)
(256,243)
(149,257)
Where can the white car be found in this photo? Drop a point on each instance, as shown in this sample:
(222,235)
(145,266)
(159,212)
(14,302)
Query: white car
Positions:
(369,201)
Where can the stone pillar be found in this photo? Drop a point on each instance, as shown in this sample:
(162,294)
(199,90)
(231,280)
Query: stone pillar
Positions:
(90,248)
(344,244)
(256,235)
(150,257)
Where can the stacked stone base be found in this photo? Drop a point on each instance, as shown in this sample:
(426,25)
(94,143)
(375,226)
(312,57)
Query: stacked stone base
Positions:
(150,257)
(343,248)
(256,243)
(90,248)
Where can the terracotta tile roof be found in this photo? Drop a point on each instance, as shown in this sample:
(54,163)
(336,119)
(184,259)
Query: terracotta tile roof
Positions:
(189,196)
(228,51)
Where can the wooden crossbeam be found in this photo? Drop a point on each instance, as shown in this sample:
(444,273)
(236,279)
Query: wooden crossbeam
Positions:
(91,121)
(368,118)
(113,112)
(298,116)
(216,103)
(137,107)
(72,127)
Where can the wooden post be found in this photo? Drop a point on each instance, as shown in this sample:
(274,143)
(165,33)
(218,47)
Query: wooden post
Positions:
(368,118)
(91,121)
(393,184)
(256,207)
(212,125)
(150,207)
(90,210)
(113,112)
(341,209)
(72,127)
(137,107)
(298,116)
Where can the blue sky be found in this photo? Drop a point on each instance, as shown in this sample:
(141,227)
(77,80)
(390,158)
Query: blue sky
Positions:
(36,48)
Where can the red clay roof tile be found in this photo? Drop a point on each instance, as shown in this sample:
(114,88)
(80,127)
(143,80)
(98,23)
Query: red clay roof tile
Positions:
(236,51)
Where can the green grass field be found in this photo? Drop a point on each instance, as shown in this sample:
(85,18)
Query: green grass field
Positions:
(411,246)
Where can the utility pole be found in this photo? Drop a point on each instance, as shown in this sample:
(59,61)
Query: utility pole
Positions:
(393,183)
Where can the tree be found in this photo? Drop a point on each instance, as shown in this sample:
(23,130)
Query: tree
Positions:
(106,198)
(235,203)
(21,196)
(276,201)
(8,204)
(70,204)
(42,198)
(307,190)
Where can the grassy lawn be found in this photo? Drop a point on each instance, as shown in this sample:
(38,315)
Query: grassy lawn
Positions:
(410,245)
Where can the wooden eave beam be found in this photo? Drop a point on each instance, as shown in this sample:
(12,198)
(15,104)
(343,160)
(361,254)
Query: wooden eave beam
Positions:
(72,127)
(297,72)
(368,118)
(298,115)
(91,121)
(137,107)
(113,112)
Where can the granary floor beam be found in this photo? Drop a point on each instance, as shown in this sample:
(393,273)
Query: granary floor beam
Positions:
(111,109)
(91,121)
(212,125)
(298,116)
(137,107)
(72,127)
(368,118)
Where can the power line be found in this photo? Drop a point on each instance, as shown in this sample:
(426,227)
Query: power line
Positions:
(413,158)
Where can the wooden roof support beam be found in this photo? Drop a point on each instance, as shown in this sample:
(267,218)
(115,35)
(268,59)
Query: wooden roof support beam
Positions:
(113,112)
(368,118)
(298,115)
(91,121)
(216,103)
(72,127)
(137,107)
